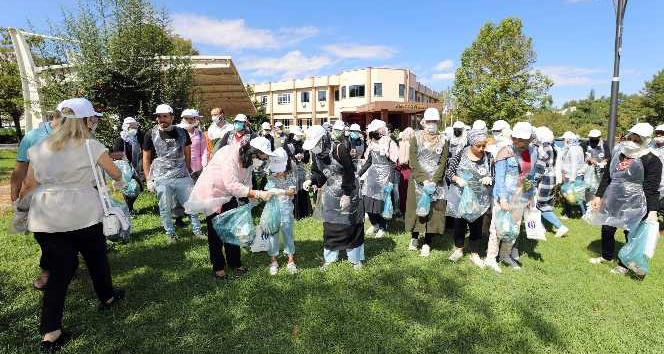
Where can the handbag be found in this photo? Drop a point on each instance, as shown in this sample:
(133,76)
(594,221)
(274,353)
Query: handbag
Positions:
(114,221)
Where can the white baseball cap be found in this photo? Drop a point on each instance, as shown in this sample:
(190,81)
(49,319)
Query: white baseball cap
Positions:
(266,126)
(295,130)
(240,118)
(499,125)
(431,115)
(659,128)
(278,125)
(375,125)
(262,144)
(163,109)
(314,134)
(81,107)
(458,125)
(190,112)
(339,125)
(479,125)
(594,133)
(569,135)
(279,160)
(544,134)
(522,130)
(644,130)
(355,127)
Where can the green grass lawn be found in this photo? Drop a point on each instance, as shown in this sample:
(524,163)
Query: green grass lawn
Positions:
(399,303)
(7,163)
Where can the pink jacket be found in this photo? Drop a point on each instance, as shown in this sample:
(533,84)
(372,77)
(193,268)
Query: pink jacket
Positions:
(199,150)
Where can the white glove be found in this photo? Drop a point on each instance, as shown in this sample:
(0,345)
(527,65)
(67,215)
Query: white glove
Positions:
(429,183)
(118,185)
(275,191)
(344,203)
(306,185)
(652,217)
(151,186)
(461,182)
(486,181)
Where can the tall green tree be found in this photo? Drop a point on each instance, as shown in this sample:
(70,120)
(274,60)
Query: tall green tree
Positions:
(11,95)
(496,79)
(653,98)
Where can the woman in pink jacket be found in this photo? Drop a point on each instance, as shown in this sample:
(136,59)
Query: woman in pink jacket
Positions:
(199,146)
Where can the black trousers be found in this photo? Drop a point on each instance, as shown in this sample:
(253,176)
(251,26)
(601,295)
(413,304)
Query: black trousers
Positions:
(377,219)
(609,241)
(215,244)
(43,259)
(427,237)
(62,249)
(475,236)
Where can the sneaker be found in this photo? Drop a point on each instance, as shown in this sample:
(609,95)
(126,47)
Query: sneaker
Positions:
(171,239)
(53,347)
(358,266)
(508,261)
(413,244)
(620,270)
(456,255)
(493,265)
(476,260)
(380,233)
(562,231)
(425,251)
(292,268)
(200,236)
(371,230)
(514,254)
(274,268)
(598,260)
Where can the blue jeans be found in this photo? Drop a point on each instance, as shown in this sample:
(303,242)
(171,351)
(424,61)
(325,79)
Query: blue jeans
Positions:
(552,219)
(355,255)
(289,246)
(179,188)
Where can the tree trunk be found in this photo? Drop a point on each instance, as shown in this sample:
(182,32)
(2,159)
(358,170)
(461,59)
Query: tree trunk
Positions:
(16,116)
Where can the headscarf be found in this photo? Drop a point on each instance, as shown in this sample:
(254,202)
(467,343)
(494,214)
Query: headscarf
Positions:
(132,140)
(404,144)
(126,124)
(475,135)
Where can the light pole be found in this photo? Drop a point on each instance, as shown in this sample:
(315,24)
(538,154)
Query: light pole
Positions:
(620,6)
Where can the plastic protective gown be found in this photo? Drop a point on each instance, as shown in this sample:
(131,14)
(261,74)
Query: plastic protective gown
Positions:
(472,172)
(169,161)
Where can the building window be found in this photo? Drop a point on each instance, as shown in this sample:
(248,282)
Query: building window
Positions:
(283,98)
(263,100)
(343,92)
(402,90)
(336,94)
(356,91)
(378,89)
(305,96)
(322,95)
(411,94)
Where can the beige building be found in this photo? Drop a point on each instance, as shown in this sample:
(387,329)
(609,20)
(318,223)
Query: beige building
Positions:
(355,96)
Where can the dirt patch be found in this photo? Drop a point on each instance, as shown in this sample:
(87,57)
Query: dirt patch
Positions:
(5,197)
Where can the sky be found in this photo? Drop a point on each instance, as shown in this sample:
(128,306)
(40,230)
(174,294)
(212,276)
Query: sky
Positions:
(275,40)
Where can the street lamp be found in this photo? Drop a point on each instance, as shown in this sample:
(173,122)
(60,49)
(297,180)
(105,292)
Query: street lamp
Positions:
(620,6)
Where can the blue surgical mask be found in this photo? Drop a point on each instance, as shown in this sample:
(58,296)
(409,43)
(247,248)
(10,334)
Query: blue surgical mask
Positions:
(238,126)
(355,135)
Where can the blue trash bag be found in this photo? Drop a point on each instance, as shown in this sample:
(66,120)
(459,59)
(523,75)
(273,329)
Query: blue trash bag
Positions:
(271,218)
(640,247)
(590,179)
(123,235)
(573,191)
(505,226)
(388,209)
(424,204)
(125,167)
(235,226)
(132,189)
(469,205)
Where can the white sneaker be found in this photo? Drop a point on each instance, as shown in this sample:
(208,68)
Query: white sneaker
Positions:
(413,244)
(371,230)
(562,231)
(620,270)
(476,260)
(493,265)
(292,268)
(274,268)
(456,255)
(425,251)
(358,266)
(380,234)
(508,261)
(598,260)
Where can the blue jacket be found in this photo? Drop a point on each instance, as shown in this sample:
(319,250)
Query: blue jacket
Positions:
(507,175)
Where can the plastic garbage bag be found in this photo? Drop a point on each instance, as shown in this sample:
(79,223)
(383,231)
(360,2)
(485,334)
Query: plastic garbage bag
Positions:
(271,217)
(388,208)
(118,206)
(133,188)
(424,203)
(505,226)
(469,205)
(640,247)
(235,226)
(573,191)
(261,241)
(590,179)
(534,227)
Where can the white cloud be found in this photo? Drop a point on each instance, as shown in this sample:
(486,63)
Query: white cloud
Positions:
(359,51)
(235,34)
(291,65)
(571,76)
(442,76)
(444,65)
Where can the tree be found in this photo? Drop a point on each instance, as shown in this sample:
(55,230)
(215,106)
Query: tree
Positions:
(11,95)
(496,79)
(653,98)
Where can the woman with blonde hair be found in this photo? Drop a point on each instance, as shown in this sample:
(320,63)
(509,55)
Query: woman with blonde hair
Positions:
(402,165)
(66,212)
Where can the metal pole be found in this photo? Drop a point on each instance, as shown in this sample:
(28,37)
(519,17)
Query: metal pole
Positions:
(615,81)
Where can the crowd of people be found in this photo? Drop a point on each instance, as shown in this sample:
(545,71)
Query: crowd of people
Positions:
(457,180)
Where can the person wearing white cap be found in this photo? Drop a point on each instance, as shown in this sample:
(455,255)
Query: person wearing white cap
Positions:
(427,159)
(403,166)
(66,212)
(573,167)
(278,135)
(341,208)
(356,142)
(658,147)
(628,191)
(266,132)
(596,158)
(458,138)
(166,164)
(19,174)
(235,134)
(382,154)
(128,147)
(301,159)
(199,144)
(501,136)
(224,184)
(479,125)
(545,178)
(513,192)
(219,126)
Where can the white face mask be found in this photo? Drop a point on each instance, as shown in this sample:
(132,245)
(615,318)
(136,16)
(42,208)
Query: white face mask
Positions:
(132,131)
(631,149)
(432,128)
(317,149)
(186,126)
(216,119)
(297,137)
(257,163)
(659,140)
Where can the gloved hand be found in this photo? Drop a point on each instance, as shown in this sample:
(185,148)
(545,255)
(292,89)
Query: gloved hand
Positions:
(429,183)
(306,185)
(461,182)
(652,217)
(504,205)
(344,203)
(486,181)
(118,185)
(264,195)
(276,191)
(151,186)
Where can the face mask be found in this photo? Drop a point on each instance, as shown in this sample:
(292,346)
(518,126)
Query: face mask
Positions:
(659,140)
(239,126)
(630,148)
(432,128)
(317,149)
(297,137)
(355,135)
(93,128)
(195,124)
(132,132)
(216,119)
(337,134)
(458,132)
(265,132)
(593,141)
(186,126)
(257,163)
(346,133)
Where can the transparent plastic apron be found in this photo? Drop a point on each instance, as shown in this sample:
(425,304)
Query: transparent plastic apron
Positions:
(169,162)
(624,202)
(660,153)
(472,173)
(429,158)
(379,175)
(332,193)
